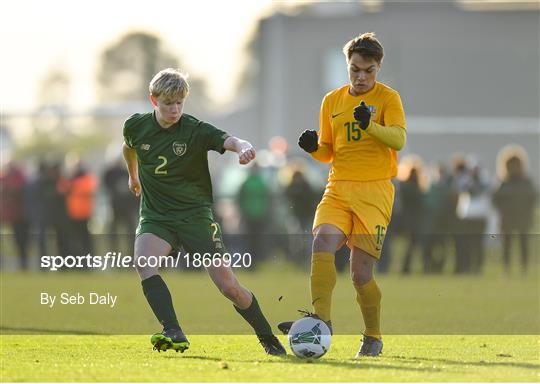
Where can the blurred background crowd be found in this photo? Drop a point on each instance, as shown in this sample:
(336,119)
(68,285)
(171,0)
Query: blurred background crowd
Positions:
(468,74)
(444,214)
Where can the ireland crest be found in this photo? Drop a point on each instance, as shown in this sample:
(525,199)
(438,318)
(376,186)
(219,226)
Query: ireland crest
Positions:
(179,148)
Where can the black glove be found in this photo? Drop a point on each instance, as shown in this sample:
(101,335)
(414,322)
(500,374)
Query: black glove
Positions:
(309,141)
(362,114)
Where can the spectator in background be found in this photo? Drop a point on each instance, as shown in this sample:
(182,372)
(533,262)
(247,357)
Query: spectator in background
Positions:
(473,209)
(254,202)
(412,209)
(124,205)
(35,206)
(302,200)
(438,216)
(80,191)
(56,210)
(49,207)
(515,199)
(13,185)
(460,181)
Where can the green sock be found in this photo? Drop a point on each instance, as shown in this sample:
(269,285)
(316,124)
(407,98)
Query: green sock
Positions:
(160,300)
(254,316)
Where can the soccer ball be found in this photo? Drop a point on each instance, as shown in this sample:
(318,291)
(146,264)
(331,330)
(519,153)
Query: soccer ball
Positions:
(309,338)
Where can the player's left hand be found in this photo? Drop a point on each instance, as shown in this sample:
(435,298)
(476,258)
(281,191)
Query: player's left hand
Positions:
(246,154)
(362,114)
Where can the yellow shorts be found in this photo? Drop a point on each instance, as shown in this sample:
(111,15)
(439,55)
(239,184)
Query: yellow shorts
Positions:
(360,209)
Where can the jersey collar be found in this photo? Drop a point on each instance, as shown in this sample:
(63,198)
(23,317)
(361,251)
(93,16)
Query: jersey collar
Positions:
(364,95)
(172,128)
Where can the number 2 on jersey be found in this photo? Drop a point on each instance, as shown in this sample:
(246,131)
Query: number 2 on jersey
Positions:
(159,169)
(215,235)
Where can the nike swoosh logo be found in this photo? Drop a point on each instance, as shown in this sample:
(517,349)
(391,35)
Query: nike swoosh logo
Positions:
(337,114)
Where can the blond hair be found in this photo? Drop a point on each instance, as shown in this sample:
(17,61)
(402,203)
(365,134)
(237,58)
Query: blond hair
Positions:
(169,83)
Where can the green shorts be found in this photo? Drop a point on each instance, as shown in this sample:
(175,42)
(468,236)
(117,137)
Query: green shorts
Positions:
(197,232)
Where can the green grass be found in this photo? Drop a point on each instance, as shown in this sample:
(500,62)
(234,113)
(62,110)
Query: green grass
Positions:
(239,358)
(428,305)
(436,328)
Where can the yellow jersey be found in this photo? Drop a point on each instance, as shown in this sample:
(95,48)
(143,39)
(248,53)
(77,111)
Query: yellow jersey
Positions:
(356,155)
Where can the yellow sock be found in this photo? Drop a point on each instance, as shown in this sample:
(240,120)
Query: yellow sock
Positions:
(323,281)
(369,297)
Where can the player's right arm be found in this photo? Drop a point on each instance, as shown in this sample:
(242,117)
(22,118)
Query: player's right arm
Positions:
(243,148)
(324,153)
(130,157)
(319,146)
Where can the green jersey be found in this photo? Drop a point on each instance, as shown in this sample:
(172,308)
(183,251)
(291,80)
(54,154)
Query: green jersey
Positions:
(173,164)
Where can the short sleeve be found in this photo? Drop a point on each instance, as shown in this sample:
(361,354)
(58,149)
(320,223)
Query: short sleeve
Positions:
(393,111)
(127,132)
(212,137)
(325,128)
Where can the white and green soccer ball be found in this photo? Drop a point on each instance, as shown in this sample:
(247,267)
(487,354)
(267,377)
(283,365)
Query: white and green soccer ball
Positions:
(309,338)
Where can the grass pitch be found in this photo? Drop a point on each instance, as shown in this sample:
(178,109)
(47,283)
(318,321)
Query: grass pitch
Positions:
(240,358)
(411,305)
(436,329)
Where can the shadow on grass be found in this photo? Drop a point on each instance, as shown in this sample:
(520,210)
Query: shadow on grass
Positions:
(46,331)
(385,362)
(364,363)
(479,363)
(194,357)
